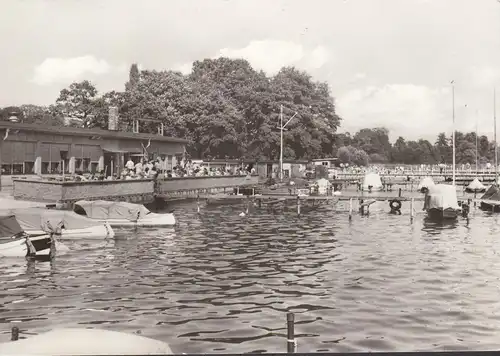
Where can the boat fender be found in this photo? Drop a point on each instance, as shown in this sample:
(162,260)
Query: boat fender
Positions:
(395,205)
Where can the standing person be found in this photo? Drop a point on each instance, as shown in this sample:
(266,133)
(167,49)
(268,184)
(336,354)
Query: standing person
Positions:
(138,166)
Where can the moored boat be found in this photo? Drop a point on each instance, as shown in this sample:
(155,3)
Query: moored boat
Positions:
(372,183)
(36,221)
(490,201)
(15,242)
(441,202)
(424,184)
(122,214)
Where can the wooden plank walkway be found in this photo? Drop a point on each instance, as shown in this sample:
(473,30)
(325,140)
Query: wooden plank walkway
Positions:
(284,197)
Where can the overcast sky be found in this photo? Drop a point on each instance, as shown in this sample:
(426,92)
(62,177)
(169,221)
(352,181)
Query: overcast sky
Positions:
(388,62)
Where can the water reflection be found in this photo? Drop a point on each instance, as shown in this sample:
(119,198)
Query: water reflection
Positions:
(221,282)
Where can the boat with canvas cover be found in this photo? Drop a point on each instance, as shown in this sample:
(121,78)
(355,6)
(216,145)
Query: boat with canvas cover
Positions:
(36,221)
(475,187)
(424,184)
(372,183)
(15,242)
(122,214)
(490,201)
(441,202)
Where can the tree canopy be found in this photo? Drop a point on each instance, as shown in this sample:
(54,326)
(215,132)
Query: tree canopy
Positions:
(227,109)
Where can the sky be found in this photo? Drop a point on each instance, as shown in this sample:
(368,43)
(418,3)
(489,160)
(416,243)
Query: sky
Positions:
(388,62)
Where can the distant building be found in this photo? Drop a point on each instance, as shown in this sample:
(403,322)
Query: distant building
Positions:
(328,162)
(36,149)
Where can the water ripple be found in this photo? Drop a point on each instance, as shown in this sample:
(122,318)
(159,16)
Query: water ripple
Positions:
(222,283)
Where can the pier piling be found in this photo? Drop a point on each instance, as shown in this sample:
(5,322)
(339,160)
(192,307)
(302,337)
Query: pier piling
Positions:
(291,344)
(411,209)
(14,334)
(350,209)
(298,206)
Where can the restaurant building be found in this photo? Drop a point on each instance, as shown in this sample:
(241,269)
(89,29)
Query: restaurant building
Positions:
(35,149)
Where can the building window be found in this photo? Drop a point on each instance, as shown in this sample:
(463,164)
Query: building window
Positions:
(86,157)
(16,155)
(324,163)
(6,169)
(29,167)
(51,157)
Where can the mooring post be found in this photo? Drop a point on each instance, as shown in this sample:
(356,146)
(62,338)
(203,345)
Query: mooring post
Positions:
(399,192)
(14,334)
(298,205)
(198,203)
(411,209)
(290,342)
(350,209)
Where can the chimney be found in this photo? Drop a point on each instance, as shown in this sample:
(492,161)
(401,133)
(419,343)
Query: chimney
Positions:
(113,119)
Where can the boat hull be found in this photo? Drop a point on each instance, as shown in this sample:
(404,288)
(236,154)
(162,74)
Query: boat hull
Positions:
(20,246)
(489,207)
(150,220)
(101,231)
(437,214)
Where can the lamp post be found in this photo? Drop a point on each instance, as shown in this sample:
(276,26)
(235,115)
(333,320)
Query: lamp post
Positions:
(282,127)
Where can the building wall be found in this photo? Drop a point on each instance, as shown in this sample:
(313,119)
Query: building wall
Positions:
(40,153)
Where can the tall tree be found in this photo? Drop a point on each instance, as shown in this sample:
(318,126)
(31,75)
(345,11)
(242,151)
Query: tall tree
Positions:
(78,102)
(133,77)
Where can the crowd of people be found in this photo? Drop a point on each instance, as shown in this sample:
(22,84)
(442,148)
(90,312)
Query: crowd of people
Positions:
(157,169)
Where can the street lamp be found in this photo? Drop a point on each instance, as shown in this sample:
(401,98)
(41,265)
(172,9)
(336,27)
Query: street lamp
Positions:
(282,127)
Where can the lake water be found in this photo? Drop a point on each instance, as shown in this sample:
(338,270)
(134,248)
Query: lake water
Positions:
(224,283)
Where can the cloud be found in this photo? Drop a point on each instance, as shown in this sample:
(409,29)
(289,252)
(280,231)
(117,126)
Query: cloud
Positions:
(406,110)
(485,76)
(271,55)
(63,70)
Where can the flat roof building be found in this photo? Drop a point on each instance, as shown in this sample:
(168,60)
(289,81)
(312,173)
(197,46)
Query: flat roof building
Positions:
(36,149)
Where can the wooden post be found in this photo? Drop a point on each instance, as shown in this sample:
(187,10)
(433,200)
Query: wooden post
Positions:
(14,334)
(298,206)
(198,203)
(350,209)
(400,192)
(290,334)
(411,209)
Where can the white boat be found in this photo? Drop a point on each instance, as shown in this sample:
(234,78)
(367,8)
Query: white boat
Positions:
(122,214)
(36,221)
(441,202)
(15,242)
(85,342)
(424,184)
(372,183)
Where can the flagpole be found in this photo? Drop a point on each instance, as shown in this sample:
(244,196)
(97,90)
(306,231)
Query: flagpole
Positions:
(453,134)
(495,134)
(477,140)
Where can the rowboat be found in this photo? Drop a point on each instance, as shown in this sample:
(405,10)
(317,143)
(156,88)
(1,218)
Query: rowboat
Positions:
(15,242)
(441,202)
(122,214)
(490,201)
(37,221)
(85,342)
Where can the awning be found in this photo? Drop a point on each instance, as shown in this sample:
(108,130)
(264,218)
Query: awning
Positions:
(117,150)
